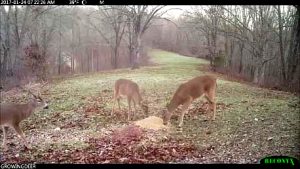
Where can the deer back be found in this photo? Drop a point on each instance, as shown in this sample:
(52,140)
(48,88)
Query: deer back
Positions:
(193,88)
(128,88)
(198,86)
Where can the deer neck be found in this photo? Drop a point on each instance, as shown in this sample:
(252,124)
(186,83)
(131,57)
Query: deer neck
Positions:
(30,108)
(172,106)
(138,98)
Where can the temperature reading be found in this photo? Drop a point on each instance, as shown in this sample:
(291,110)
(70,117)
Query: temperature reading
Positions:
(73,2)
(101,2)
(83,2)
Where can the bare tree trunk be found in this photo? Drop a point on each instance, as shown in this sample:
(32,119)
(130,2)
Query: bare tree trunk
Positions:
(256,74)
(141,17)
(19,33)
(226,45)
(98,62)
(6,64)
(88,58)
(283,69)
(241,56)
(131,52)
(130,42)
(59,54)
(231,53)
(114,57)
(262,74)
(73,48)
(137,49)
(81,59)
(87,49)
(92,60)
(43,76)
(293,59)
(213,52)
(2,10)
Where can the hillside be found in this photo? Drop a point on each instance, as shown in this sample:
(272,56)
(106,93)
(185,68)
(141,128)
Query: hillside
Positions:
(251,122)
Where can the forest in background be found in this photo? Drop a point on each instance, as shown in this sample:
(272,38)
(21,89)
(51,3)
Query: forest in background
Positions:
(260,44)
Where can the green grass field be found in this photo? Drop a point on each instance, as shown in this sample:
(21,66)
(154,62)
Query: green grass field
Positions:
(251,122)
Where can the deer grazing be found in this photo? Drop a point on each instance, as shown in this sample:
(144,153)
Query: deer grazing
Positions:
(12,114)
(190,91)
(129,89)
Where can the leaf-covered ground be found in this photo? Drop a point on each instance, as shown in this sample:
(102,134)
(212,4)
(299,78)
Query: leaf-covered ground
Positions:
(251,122)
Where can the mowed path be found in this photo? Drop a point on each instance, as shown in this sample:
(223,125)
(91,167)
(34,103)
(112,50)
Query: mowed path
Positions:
(251,122)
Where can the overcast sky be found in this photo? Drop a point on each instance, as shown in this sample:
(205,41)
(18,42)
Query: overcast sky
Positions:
(175,13)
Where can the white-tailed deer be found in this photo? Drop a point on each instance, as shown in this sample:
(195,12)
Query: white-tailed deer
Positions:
(12,114)
(129,89)
(190,91)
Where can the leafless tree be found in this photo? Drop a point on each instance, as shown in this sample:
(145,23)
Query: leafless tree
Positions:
(112,16)
(140,18)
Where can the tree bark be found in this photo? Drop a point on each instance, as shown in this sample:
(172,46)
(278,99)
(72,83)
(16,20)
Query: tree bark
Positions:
(137,49)
(293,58)
(73,48)
(241,56)
(283,69)
(59,54)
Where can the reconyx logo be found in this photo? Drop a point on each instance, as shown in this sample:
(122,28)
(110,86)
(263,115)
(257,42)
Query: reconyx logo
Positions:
(292,161)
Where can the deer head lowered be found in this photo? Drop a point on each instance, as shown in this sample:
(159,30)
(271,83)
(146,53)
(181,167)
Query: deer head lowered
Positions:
(130,89)
(190,91)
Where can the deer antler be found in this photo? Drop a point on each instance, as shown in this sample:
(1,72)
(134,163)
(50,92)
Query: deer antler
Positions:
(26,90)
(44,84)
(39,96)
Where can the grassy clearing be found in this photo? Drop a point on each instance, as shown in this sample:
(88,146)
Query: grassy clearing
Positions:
(256,122)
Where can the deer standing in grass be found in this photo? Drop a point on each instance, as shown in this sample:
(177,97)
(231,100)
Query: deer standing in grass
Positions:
(129,89)
(12,114)
(190,91)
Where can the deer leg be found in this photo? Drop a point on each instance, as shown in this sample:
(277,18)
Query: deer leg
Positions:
(146,109)
(4,138)
(185,106)
(135,109)
(129,107)
(212,104)
(118,99)
(113,109)
(211,99)
(21,135)
(206,107)
(203,103)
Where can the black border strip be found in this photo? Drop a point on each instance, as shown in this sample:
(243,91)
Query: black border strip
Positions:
(148,166)
(148,2)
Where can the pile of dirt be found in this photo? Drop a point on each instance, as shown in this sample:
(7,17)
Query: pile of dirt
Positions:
(152,122)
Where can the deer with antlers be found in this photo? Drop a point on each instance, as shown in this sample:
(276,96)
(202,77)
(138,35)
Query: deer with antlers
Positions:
(12,114)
